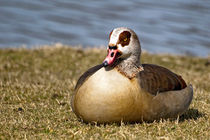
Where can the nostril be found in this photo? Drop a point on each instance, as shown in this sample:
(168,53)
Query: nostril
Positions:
(112,54)
(105,64)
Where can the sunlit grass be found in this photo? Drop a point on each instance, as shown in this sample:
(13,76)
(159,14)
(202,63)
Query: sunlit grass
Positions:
(36,86)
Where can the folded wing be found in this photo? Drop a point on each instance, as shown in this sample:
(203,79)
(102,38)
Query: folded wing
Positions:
(155,79)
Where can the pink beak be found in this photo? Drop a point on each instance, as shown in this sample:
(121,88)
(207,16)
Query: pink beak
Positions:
(111,57)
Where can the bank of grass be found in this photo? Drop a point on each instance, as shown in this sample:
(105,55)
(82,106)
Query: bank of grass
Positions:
(36,86)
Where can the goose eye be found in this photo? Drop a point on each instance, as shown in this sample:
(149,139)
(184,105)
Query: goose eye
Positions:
(125,39)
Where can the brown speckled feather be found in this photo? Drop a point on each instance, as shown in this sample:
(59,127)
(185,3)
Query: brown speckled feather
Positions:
(155,79)
(87,74)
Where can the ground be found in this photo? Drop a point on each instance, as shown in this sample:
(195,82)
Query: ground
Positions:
(36,86)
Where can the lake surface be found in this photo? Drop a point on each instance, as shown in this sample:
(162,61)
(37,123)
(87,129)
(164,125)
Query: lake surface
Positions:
(175,26)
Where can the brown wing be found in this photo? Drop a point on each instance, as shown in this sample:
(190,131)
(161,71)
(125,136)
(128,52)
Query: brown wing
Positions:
(155,79)
(87,74)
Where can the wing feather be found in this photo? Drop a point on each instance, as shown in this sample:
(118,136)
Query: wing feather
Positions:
(155,79)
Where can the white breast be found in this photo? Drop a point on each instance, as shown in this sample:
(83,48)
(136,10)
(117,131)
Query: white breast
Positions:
(107,96)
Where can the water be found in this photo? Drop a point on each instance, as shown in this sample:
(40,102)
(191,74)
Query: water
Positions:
(175,26)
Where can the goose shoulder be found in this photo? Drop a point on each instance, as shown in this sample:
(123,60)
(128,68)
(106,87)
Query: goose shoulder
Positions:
(86,75)
(155,79)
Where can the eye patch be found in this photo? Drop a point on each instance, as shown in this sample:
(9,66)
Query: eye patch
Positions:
(124,38)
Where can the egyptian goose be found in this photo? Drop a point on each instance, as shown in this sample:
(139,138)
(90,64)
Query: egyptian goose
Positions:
(123,89)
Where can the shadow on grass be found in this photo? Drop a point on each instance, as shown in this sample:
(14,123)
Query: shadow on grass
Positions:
(191,114)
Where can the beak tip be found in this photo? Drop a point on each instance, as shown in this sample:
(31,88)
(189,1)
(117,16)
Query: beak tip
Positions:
(105,64)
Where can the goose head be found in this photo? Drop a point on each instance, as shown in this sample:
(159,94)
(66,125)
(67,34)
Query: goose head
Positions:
(123,45)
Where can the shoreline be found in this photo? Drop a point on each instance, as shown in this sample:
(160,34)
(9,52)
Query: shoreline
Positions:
(93,48)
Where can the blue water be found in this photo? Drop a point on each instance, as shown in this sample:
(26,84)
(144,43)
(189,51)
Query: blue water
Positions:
(175,26)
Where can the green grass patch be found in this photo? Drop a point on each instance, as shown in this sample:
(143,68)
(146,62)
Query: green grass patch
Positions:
(36,86)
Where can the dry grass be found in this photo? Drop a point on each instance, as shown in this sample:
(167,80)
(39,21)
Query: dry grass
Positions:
(36,86)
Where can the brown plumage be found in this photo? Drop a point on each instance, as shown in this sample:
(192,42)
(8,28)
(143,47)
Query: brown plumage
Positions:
(156,79)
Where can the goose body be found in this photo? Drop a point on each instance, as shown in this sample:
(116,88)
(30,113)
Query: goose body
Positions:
(122,89)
